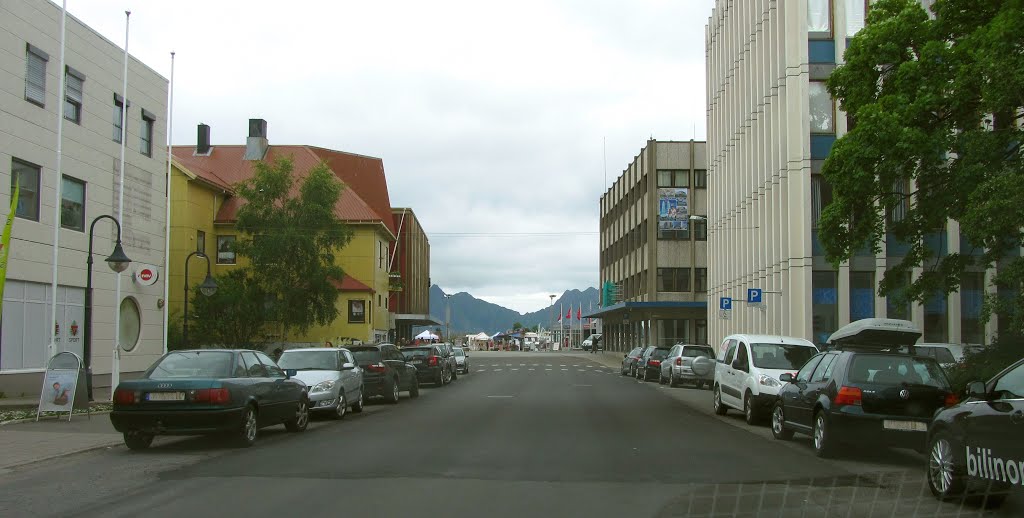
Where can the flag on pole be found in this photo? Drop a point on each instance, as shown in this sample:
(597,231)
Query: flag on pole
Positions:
(568,314)
(5,241)
(579,312)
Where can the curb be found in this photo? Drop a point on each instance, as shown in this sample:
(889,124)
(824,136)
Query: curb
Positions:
(48,417)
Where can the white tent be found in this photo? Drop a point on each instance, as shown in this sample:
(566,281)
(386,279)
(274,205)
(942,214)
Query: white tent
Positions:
(427,335)
(482,336)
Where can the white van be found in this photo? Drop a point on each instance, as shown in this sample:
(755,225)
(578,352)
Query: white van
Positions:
(590,340)
(748,369)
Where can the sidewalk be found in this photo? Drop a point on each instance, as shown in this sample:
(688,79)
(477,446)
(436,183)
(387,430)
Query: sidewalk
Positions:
(28,442)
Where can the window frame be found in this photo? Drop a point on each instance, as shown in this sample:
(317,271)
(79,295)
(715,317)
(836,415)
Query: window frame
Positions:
(69,99)
(696,276)
(811,91)
(700,228)
(352,318)
(831,20)
(63,199)
(146,133)
(39,174)
(223,238)
(30,52)
(201,242)
(119,118)
(700,178)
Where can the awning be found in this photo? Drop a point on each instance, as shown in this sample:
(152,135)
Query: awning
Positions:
(629,306)
(416,319)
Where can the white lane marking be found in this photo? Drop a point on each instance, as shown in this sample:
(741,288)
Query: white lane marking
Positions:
(533,369)
(536,365)
(522,365)
(578,385)
(495,364)
(515,369)
(565,369)
(481,370)
(547,369)
(547,364)
(508,364)
(582,370)
(574,365)
(500,396)
(496,370)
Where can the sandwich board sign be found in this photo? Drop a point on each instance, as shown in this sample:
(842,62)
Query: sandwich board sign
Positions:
(64,375)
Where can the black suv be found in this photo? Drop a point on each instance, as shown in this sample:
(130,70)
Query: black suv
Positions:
(448,355)
(385,371)
(649,365)
(431,366)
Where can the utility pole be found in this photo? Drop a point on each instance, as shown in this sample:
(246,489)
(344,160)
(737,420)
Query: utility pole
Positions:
(551,319)
(447,318)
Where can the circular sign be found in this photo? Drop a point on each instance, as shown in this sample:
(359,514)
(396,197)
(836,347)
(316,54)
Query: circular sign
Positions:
(146,275)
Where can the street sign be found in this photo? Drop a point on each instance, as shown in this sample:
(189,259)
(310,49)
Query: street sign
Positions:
(754,295)
(725,303)
(725,314)
(146,274)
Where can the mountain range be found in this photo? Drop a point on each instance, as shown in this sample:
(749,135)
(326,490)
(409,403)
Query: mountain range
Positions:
(471,315)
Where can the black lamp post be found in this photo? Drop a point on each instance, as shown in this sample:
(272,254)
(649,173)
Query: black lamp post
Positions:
(207,288)
(118,262)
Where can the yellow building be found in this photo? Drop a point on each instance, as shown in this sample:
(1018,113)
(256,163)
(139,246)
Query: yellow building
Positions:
(204,206)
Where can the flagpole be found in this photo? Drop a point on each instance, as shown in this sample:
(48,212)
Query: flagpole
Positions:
(115,368)
(167,237)
(52,332)
(561,327)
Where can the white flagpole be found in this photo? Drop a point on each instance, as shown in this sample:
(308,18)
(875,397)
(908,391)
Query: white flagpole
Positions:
(561,326)
(115,369)
(167,237)
(52,331)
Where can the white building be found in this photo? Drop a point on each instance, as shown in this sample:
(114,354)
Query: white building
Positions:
(771,124)
(29,88)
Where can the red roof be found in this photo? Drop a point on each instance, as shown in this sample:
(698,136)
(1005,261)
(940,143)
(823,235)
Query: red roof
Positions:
(348,283)
(364,199)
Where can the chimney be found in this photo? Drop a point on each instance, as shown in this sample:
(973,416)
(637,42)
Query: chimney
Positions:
(256,146)
(203,140)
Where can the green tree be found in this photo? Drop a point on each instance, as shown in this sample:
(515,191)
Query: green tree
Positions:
(290,236)
(236,315)
(937,104)
(517,326)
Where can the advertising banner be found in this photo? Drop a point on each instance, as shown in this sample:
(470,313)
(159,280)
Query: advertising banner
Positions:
(61,380)
(673,208)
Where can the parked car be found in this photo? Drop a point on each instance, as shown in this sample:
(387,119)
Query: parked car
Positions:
(448,353)
(335,381)
(948,355)
(689,364)
(629,361)
(431,366)
(860,392)
(385,371)
(591,340)
(975,445)
(748,369)
(461,360)
(208,391)
(649,364)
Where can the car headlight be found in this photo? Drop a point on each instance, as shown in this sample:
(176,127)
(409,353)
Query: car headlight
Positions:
(323,386)
(768,381)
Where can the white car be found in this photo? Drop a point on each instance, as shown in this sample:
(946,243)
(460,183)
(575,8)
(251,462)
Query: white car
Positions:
(748,369)
(334,378)
(461,360)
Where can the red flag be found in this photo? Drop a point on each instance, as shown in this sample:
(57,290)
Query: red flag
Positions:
(568,314)
(579,313)
(559,318)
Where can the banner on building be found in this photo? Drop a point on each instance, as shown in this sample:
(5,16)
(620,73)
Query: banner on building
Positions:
(673,208)
(5,241)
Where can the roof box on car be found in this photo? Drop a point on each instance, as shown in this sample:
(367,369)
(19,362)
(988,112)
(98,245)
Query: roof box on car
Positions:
(877,332)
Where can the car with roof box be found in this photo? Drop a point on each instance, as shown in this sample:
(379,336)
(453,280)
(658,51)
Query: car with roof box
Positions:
(863,390)
(748,369)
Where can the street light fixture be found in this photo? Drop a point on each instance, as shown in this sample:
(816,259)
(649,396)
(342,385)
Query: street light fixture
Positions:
(207,288)
(447,317)
(118,262)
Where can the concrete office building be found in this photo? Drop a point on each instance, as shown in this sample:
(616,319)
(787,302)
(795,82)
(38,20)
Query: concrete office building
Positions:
(653,246)
(93,112)
(771,124)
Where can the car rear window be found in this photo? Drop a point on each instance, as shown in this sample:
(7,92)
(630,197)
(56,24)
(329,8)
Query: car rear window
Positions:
(422,352)
(693,352)
(659,353)
(460,352)
(198,364)
(941,354)
(892,369)
(781,356)
(309,360)
(366,356)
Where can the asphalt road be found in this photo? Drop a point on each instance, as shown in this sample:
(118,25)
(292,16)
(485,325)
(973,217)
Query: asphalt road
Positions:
(525,434)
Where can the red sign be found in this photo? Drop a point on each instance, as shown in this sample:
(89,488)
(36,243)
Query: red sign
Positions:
(146,274)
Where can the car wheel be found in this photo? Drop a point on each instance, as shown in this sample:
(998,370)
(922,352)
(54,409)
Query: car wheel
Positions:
(720,409)
(455,374)
(823,443)
(945,474)
(672,381)
(661,378)
(300,421)
(137,440)
(414,390)
(342,408)
(779,430)
(249,427)
(358,406)
(749,412)
(440,379)
(392,396)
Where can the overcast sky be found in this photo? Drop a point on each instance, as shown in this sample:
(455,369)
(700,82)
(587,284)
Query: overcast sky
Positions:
(490,116)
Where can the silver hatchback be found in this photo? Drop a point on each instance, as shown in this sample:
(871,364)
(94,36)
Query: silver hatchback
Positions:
(689,364)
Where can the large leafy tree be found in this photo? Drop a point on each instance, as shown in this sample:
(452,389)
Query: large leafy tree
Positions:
(938,103)
(235,315)
(290,236)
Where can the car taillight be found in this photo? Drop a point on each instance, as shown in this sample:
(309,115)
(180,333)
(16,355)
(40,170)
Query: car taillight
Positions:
(432,361)
(655,363)
(217,396)
(679,361)
(125,397)
(376,367)
(951,399)
(848,396)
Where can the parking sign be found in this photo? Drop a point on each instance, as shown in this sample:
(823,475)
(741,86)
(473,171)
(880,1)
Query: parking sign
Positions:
(725,303)
(754,295)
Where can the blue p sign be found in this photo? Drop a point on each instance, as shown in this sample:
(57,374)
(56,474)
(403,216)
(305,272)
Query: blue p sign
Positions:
(725,303)
(754,295)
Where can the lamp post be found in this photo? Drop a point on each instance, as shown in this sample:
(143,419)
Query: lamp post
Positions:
(207,288)
(551,318)
(447,317)
(118,262)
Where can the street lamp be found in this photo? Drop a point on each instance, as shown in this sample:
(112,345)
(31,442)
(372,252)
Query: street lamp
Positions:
(118,262)
(447,317)
(207,288)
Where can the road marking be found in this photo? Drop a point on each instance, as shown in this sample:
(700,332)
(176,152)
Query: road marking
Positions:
(533,369)
(582,370)
(547,364)
(522,365)
(514,369)
(536,365)
(547,369)
(500,396)
(495,364)
(578,385)
(481,370)
(508,364)
(496,370)
(565,369)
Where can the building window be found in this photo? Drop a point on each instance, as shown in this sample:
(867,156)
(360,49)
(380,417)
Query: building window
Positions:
(856,10)
(700,279)
(821,197)
(896,306)
(700,179)
(26,176)
(822,108)
(357,312)
(118,117)
(819,15)
(131,324)
(201,242)
(35,75)
(673,279)
(862,295)
(73,84)
(936,319)
(702,330)
(225,249)
(72,204)
(898,211)
(673,178)
(146,135)
(824,305)
(972,294)
(700,229)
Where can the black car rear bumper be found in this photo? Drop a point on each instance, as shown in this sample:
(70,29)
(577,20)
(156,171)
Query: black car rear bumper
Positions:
(428,374)
(870,430)
(177,422)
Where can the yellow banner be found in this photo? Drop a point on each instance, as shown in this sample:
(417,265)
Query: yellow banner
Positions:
(5,242)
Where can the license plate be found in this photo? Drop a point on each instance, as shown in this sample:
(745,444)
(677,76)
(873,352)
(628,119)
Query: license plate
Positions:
(165,396)
(906,426)
(416,362)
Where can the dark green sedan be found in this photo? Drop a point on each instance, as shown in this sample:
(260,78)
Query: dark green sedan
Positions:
(209,391)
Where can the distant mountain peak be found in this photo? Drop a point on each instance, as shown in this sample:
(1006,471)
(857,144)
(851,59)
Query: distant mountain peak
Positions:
(472,315)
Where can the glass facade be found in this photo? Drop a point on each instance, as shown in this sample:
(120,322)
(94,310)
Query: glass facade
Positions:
(824,305)
(862,295)
(972,294)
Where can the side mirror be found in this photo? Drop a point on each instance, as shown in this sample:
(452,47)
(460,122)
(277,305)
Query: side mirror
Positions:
(290,373)
(976,389)
(348,366)
(786,377)
(625,355)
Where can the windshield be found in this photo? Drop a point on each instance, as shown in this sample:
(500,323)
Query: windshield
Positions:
(781,356)
(460,352)
(198,364)
(693,352)
(659,354)
(940,354)
(892,369)
(419,353)
(309,360)
(366,356)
